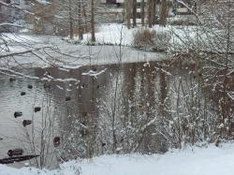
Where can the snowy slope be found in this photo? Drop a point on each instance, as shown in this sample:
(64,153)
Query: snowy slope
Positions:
(190,161)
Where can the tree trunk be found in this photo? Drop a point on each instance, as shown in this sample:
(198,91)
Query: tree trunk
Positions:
(93,39)
(128,13)
(70,21)
(143,12)
(154,12)
(80,26)
(164,13)
(85,18)
(134,12)
(150,14)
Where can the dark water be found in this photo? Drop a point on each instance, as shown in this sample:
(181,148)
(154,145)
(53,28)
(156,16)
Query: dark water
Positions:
(120,110)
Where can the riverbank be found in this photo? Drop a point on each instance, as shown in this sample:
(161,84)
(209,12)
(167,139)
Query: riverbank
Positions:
(191,160)
(60,53)
(114,44)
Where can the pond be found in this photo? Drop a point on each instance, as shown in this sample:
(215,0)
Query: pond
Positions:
(105,109)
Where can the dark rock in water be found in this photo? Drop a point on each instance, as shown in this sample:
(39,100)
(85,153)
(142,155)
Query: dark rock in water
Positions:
(12,79)
(1,138)
(68,98)
(18,114)
(37,109)
(23,93)
(27,122)
(15,152)
(30,86)
(56,141)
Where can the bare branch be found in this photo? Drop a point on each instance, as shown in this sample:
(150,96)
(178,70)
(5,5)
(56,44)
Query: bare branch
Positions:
(21,53)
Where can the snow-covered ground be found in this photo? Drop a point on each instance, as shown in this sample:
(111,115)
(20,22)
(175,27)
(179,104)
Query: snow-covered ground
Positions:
(189,161)
(70,54)
(58,51)
(119,34)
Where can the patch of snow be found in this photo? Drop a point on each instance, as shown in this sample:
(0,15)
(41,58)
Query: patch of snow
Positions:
(231,95)
(94,73)
(43,2)
(113,34)
(59,87)
(189,161)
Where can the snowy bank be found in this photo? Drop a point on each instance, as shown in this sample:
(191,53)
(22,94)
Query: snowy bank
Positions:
(114,42)
(190,161)
(57,52)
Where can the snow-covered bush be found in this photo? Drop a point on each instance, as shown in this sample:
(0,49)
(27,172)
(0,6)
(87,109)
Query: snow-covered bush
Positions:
(144,39)
(182,20)
(161,40)
(151,40)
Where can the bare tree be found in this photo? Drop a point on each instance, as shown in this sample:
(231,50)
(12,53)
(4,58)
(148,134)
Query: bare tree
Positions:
(143,12)
(150,13)
(128,13)
(80,14)
(164,12)
(93,39)
(212,45)
(134,13)
(70,20)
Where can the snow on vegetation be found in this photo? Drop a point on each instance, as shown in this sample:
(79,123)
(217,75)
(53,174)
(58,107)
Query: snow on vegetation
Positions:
(109,34)
(78,54)
(106,34)
(176,37)
(189,161)
(116,34)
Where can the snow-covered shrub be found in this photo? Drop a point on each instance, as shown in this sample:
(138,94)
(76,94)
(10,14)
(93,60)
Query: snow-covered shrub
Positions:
(144,39)
(218,20)
(189,20)
(161,40)
(151,40)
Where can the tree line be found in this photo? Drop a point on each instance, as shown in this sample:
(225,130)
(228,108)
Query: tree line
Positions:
(80,16)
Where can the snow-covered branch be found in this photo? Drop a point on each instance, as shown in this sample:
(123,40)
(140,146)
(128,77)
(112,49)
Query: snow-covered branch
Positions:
(94,73)
(6,54)
(13,5)
(10,24)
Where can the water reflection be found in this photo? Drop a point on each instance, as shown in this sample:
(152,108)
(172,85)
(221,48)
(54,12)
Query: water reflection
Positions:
(140,107)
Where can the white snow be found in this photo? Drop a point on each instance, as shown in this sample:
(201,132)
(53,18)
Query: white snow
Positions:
(68,55)
(72,56)
(112,34)
(231,95)
(94,73)
(119,34)
(189,161)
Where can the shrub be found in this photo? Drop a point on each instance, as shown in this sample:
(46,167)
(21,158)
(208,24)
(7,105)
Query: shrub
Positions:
(150,40)
(161,40)
(143,39)
(182,20)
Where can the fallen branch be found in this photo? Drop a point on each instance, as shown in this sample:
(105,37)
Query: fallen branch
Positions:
(17,159)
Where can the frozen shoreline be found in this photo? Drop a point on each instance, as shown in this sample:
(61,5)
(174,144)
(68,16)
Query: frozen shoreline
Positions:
(72,56)
(191,160)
